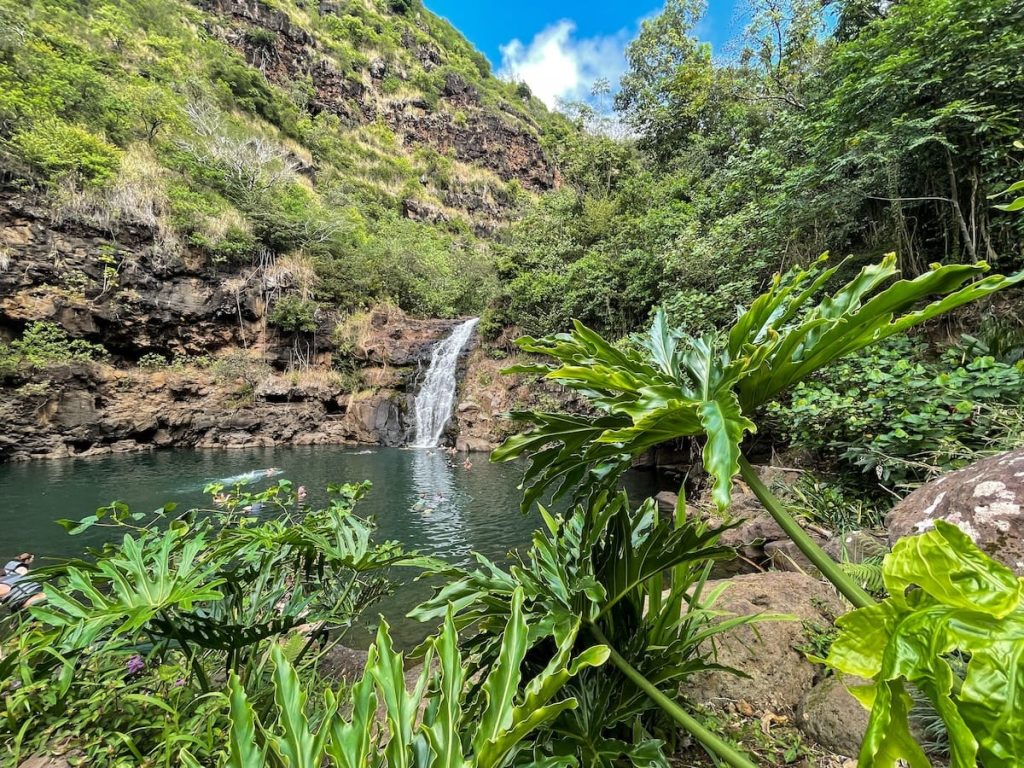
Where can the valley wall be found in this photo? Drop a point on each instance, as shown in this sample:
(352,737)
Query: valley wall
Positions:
(229,380)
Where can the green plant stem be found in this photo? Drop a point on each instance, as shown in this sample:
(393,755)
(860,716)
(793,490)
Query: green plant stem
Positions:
(714,743)
(849,588)
(194,661)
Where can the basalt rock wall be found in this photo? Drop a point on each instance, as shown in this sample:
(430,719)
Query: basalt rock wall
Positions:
(129,295)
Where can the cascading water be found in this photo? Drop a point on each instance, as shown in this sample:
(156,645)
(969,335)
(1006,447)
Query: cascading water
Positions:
(437,395)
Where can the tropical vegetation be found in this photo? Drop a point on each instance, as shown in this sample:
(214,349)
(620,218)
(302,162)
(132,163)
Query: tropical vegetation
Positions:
(672,284)
(858,127)
(948,601)
(128,654)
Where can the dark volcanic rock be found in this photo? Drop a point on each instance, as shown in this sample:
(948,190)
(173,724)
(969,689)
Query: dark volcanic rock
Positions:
(159,301)
(87,409)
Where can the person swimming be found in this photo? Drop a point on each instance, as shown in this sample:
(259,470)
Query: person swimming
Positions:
(251,476)
(19,565)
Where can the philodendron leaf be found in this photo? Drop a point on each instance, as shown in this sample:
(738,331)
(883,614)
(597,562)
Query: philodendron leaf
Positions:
(443,732)
(992,700)
(724,423)
(672,385)
(887,740)
(502,684)
(243,748)
(948,598)
(957,573)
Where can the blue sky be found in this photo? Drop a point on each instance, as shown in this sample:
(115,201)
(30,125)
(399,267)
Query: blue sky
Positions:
(560,47)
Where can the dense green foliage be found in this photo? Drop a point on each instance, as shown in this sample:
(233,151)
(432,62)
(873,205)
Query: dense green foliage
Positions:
(671,385)
(602,567)
(125,655)
(193,639)
(948,601)
(412,735)
(885,132)
(903,414)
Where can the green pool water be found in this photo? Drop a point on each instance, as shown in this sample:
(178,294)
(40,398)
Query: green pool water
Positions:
(478,508)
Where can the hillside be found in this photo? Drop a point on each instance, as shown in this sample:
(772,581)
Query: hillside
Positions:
(363,147)
(209,189)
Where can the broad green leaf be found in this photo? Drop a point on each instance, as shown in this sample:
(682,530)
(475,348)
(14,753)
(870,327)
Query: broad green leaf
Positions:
(243,749)
(724,424)
(350,740)
(443,733)
(992,698)
(502,683)
(400,705)
(947,600)
(297,746)
(948,566)
(888,740)
(1011,207)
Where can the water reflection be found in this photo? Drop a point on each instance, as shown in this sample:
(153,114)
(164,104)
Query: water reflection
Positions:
(439,502)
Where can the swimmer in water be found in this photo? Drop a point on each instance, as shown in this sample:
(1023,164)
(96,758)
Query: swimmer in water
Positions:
(251,476)
(16,589)
(467,464)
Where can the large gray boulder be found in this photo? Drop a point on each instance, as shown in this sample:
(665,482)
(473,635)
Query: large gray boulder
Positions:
(768,652)
(984,500)
(830,716)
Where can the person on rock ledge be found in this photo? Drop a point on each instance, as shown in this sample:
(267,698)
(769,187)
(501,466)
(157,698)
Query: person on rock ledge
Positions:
(15,589)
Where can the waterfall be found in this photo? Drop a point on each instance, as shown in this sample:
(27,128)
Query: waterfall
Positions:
(437,395)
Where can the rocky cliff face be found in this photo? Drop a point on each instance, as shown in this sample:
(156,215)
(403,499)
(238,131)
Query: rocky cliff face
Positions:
(150,303)
(504,143)
(391,113)
(88,409)
(125,292)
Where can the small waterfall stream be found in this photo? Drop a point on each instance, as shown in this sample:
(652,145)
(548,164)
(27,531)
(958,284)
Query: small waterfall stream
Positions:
(436,397)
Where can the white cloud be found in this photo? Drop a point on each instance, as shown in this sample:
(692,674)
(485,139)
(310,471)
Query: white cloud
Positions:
(559,66)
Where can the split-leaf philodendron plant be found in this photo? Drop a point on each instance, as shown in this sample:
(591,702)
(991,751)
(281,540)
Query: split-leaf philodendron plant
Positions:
(383,723)
(601,568)
(672,385)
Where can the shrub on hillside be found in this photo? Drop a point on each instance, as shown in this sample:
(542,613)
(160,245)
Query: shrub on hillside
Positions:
(44,343)
(57,149)
(294,314)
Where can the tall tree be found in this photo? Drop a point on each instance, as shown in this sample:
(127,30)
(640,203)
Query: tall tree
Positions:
(664,92)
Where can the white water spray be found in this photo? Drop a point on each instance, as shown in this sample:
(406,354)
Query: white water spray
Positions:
(437,395)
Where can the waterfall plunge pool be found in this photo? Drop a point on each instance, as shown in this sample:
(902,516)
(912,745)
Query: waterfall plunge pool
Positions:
(479,511)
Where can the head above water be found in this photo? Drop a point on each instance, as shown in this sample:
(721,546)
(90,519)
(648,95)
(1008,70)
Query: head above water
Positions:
(25,558)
